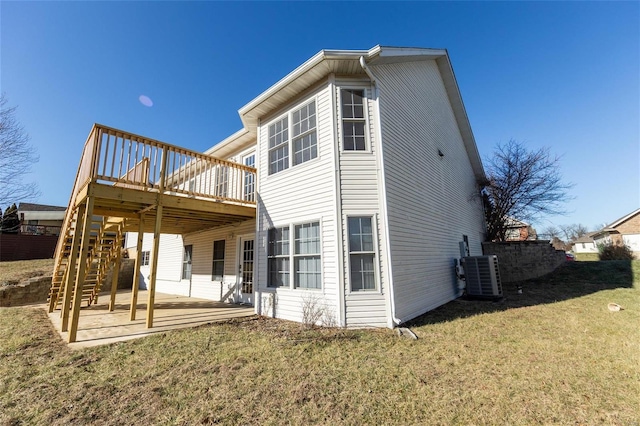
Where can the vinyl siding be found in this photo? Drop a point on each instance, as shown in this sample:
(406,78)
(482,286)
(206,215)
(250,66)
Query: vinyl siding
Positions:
(359,196)
(300,194)
(169,262)
(202,286)
(169,279)
(431,199)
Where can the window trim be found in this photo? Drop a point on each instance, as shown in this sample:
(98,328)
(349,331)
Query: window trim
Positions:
(184,261)
(145,258)
(220,260)
(365,109)
(278,256)
(295,255)
(290,137)
(243,158)
(221,181)
(292,256)
(376,253)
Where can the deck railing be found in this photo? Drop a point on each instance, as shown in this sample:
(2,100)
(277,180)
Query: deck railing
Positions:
(132,161)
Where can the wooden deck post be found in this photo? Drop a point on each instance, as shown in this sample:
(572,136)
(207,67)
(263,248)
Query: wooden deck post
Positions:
(71,269)
(154,266)
(136,270)
(116,269)
(82,269)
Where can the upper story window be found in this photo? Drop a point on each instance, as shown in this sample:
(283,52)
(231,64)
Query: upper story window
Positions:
(353,120)
(296,132)
(249,191)
(221,181)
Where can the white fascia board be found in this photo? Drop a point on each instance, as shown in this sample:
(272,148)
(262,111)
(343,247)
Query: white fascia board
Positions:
(460,112)
(391,54)
(624,219)
(231,144)
(249,120)
(300,71)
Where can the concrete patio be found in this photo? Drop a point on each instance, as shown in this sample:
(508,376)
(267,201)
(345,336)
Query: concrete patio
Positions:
(98,326)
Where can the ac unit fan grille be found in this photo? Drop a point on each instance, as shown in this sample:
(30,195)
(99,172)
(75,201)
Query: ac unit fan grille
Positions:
(482,276)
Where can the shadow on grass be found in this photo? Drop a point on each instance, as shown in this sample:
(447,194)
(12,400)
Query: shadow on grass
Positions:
(571,280)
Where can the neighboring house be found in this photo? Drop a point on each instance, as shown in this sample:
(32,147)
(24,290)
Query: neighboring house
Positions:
(625,230)
(40,219)
(518,230)
(367,181)
(585,244)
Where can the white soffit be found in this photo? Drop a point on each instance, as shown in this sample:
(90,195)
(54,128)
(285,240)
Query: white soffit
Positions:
(346,62)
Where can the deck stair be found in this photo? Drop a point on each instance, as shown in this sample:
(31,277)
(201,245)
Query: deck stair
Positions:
(104,247)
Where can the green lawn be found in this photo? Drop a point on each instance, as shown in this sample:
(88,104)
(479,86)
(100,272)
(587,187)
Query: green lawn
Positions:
(551,355)
(587,256)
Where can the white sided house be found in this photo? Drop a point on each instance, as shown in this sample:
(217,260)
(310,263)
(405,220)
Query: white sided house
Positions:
(367,182)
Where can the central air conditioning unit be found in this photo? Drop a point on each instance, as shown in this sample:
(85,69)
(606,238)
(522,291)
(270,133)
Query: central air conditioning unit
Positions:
(482,276)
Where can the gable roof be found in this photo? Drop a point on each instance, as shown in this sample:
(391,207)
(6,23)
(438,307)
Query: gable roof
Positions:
(355,62)
(30,207)
(623,219)
(587,238)
(512,222)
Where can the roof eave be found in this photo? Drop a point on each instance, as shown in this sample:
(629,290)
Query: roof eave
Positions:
(245,111)
(624,219)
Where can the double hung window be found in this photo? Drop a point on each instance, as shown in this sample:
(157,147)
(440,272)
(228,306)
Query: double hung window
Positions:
(217,271)
(146,255)
(186,262)
(278,257)
(295,132)
(221,181)
(303,262)
(249,179)
(306,264)
(353,120)
(361,254)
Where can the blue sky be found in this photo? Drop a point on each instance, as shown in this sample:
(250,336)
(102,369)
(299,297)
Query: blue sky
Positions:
(560,74)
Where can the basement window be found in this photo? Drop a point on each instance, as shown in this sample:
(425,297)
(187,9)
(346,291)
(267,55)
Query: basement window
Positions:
(146,255)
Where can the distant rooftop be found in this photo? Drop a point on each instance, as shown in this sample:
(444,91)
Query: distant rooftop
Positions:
(30,207)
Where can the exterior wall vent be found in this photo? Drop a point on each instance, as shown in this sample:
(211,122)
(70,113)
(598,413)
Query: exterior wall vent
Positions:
(482,276)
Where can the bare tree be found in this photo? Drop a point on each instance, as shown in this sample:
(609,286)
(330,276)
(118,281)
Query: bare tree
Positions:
(522,184)
(563,236)
(573,232)
(550,232)
(16,158)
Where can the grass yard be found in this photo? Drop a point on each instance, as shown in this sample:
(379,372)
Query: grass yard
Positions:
(14,272)
(588,257)
(552,355)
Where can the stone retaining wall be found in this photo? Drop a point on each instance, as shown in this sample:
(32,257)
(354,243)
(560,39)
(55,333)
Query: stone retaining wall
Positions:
(36,290)
(523,260)
(125,278)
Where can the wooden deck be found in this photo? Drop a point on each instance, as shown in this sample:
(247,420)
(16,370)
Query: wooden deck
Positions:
(99,326)
(127,182)
(127,176)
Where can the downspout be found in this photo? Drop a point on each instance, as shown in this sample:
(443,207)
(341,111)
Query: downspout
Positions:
(383,194)
(342,319)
